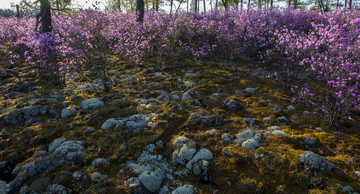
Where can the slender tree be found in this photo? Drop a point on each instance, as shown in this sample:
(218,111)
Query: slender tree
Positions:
(204,6)
(140,11)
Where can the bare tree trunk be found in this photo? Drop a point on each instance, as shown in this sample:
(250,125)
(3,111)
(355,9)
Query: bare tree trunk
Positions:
(225,4)
(248,5)
(157,5)
(140,11)
(295,4)
(216,5)
(271,4)
(259,1)
(204,6)
(196,4)
(337,4)
(45,16)
(345,4)
(17,11)
(171,6)
(350,4)
(241,4)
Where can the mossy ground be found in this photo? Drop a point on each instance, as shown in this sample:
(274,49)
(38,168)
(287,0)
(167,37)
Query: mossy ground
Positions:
(272,168)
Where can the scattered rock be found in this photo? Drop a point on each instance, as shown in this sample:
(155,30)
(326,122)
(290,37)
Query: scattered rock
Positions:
(211,131)
(291,108)
(137,123)
(358,174)
(68,112)
(277,109)
(95,176)
(185,189)
(283,120)
(273,128)
(111,123)
(99,163)
(188,95)
(57,189)
(132,182)
(151,180)
(266,119)
(231,105)
(226,137)
(184,154)
(311,161)
(248,139)
(250,122)
(90,104)
(306,112)
(79,176)
(211,121)
(3,188)
(195,102)
(308,142)
(91,129)
(189,84)
(28,114)
(278,133)
(250,90)
(203,153)
(227,152)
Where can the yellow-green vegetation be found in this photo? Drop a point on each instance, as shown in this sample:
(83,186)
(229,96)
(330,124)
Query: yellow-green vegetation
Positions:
(271,168)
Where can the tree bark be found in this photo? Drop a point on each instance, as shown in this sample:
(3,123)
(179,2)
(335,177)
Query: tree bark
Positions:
(171,6)
(140,10)
(350,4)
(45,17)
(196,4)
(204,6)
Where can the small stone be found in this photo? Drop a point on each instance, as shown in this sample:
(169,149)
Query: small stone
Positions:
(284,120)
(99,163)
(189,84)
(184,154)
(188,95)
(95,176)
(91,129)
(133,182)
(79,176)
(273,128)
(90,104)
(277,109)
(291,108)
(250,144)
(306,112)
(318,129)
(195,102)
(211,131)
(308,142)
(151,180)
(110,123)
(266,119)
(57,188)
(278,133)
(250,90)
(201,154)
(231,105)
(185,189)
(250,122)
(227,152)
(226,137)
(311,161)
(358,174)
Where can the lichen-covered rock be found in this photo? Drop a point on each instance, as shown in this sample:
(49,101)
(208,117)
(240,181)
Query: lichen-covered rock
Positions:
(250,90)
(185,189)
(68,112)
(91,104)
(151,180)
(211,121)
(250,122)
(308,142)
(137,123)
(226,137)
(278,133)
(57,189)
(184,154)
(188,95)
(79,176)
(132,182)
(180,141)
(248,139)
(203,153)
(195,102)
(311,161)
(283,120)
(99,163)
(111,123)
(26,114)
(189,84)
(291,108)
(231,105)
(95,176)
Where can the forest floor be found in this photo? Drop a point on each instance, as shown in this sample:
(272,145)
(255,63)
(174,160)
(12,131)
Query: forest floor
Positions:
(204,127)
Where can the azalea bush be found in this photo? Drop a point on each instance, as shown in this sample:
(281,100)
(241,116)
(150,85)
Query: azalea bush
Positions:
(302,46)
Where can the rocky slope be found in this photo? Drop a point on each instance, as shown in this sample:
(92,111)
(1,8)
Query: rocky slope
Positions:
(200,128)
